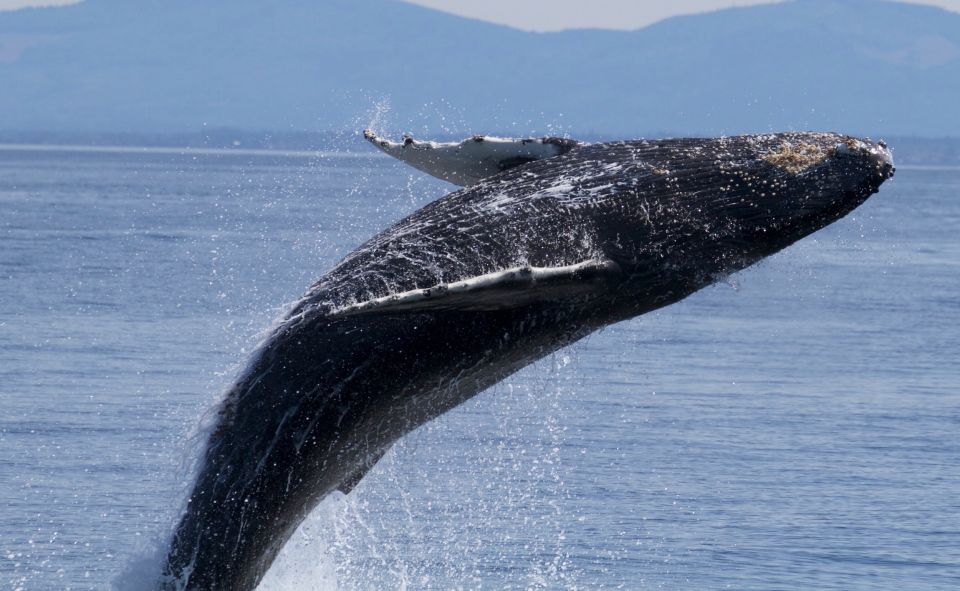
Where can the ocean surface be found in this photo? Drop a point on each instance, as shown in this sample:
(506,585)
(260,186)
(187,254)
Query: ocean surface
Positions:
(795,428)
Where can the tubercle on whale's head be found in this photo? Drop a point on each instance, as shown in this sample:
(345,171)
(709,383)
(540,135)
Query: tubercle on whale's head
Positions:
(877,154)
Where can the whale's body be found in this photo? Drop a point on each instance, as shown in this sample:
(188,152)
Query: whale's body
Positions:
(475,286)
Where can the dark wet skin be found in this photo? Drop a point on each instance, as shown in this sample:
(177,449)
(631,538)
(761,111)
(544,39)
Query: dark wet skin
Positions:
(330,392)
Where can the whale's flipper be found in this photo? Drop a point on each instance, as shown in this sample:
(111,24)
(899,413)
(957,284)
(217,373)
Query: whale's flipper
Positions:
(472,160)
(511,288)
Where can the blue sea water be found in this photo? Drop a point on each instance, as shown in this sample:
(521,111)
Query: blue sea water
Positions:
(795,428)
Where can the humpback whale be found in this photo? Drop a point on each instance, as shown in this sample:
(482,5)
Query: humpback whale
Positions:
(549,240)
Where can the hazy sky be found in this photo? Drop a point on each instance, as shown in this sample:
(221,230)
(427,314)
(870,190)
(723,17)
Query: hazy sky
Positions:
(11,4)
(551,15)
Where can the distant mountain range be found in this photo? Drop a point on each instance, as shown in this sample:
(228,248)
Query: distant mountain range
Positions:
(861,66)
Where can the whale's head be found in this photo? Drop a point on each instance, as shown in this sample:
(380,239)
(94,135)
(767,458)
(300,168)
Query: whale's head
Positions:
(702,209)
(799,183)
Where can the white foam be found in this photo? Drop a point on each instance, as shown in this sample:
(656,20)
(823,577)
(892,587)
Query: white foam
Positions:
(306,562)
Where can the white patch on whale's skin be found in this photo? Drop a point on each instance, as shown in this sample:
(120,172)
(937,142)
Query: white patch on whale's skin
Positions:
(470,161)
(880,150)
(476,292)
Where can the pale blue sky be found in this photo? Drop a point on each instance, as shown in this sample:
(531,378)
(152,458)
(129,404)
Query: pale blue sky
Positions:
(552,15)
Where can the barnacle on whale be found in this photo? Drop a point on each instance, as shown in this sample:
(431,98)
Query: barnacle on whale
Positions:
(796,157)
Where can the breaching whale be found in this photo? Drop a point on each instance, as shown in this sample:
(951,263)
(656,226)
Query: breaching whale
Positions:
(552,240)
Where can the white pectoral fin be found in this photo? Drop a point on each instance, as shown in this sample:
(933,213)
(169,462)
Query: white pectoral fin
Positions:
(472,160)
(510,288)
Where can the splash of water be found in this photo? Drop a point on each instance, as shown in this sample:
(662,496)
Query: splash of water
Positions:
(377,116)
(385,533)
